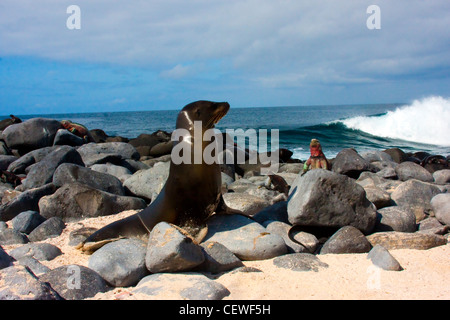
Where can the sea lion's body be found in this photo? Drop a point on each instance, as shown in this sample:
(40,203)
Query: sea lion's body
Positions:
(191,194)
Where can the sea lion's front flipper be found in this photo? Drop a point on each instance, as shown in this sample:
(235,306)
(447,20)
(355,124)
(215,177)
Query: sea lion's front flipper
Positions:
(131,226)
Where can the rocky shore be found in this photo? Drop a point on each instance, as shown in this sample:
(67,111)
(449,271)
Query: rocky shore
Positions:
(58,187)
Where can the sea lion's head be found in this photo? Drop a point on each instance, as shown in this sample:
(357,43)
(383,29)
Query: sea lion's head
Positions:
(208,112)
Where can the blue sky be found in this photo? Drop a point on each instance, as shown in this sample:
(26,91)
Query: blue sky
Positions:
(149,55)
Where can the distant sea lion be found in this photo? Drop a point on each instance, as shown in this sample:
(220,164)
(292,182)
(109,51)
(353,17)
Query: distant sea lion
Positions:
(192,192)
(434,163)
(7,122)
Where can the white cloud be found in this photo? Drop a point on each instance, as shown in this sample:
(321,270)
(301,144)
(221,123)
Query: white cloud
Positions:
(177,72)
(258,38)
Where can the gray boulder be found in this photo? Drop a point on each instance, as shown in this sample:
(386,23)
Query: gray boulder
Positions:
(70,173)
(376,155)
(350,163)
(34,265)
(410,170)
(169,250)
(307,240)
(397,218)
(275,212)
(75,201)
(27,200)
(324,198)
(396,154)
(5,259)
(415,195)
(65,137)
(179,286)
(37,268)
(93,153)
(31,134)
(19,283)
(75,282)
(382,258)
(218,258)
(42,172)
(441,207)
(27,221)
(39,251)
(248,204)
(119,172)
(6,160)
(378,197)
(247,239)
(148,183)
(11,236)
(346,240)
(29,159)
(442,176)
(50,228)
(120,263)
(432,225)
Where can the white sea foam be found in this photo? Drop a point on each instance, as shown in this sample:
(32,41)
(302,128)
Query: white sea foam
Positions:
(424,121)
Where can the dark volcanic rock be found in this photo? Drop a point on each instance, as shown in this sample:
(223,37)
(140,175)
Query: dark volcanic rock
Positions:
(442,176)
(120,263)
(39,251)
(397,218)
(42,172)
(179,286)
(350,163)
(6,160)
(27,221)
(275,212)
(50,228)
(169,250)
(5,259)
(346,240)
(28,159)
(70,173)
(324,198)
(32,134)
(65,137)
(247,239)
(93,153)
(441,207)
(396,154)
(383,259)
(75,201)
(415,195)
(19,283)
(75,282)
(34,265)
(11,236)
(218,258)
(27,200)
(410,170)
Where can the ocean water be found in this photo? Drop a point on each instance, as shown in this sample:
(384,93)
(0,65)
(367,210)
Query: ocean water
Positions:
(423,125)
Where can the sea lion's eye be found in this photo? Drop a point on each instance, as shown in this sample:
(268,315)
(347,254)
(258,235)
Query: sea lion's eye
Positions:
(197,113)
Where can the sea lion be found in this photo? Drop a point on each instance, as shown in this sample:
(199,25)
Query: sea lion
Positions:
(191,194)
(434,163)
(7,122)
